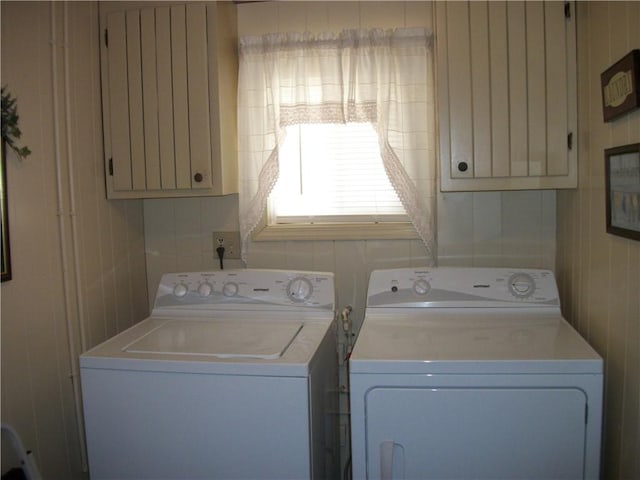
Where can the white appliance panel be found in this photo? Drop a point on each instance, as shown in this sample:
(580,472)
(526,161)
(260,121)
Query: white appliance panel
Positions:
(233,376)
(460,432)
(262,290)
(459,287)
(472,373)
(471,341)
(233,427)
(294,360)
(222,339)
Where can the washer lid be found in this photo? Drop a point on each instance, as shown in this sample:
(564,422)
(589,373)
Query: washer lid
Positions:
(218,339)
(232,345)
(478,343)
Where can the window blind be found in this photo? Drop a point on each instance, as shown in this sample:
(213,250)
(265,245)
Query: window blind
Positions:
(333,173)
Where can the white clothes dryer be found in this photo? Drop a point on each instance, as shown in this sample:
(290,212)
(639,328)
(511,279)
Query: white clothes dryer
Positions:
(461,373)
(233,376)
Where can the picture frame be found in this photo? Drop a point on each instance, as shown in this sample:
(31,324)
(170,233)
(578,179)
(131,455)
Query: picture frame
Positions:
(6,251)
(621,86)
(622,190)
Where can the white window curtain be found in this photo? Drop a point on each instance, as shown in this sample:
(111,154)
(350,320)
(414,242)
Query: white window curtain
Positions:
(382,77)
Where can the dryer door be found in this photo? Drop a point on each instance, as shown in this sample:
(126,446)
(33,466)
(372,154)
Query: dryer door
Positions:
(481,433)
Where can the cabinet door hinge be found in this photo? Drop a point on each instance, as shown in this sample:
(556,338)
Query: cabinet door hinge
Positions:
(111,167)
(106,37)
(567,10)
(570,140)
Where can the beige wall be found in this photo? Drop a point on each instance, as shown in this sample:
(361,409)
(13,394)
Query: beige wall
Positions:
(599,273)
(75,264)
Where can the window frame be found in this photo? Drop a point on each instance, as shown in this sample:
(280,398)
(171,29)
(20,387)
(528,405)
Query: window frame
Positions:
(398,227)
(333,231)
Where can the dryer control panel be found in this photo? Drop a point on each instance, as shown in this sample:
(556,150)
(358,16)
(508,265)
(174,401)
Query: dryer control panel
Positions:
(448,287)
(246,289)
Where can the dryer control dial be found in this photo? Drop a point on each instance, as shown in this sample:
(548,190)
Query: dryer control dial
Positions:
(230,289)
(421,287)
(521,285)
(180,290)
(299,289)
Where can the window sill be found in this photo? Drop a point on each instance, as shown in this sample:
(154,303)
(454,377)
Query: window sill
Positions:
(337,231)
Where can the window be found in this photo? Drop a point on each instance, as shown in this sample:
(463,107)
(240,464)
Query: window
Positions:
(307,102)
(333,173)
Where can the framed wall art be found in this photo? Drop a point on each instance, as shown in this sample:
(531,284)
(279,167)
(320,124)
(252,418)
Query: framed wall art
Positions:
(6,257)
(622,177)
(620,86)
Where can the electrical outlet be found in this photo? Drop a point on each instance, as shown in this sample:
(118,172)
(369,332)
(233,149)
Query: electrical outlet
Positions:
(231,243)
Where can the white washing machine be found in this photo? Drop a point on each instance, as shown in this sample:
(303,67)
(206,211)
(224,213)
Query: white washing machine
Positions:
(233,376)
(461,373)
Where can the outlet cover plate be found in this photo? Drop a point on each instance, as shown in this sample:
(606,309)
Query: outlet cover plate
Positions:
(231,243)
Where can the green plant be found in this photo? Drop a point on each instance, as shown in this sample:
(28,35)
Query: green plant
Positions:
(10,131)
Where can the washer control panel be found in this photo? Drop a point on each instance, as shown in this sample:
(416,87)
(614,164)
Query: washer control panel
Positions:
(462,287)
(247,289)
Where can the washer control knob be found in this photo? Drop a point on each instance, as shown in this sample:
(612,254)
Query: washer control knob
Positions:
(421,287)
(521,285)
(180,290)
(205,289)
(299,289)
(230,289)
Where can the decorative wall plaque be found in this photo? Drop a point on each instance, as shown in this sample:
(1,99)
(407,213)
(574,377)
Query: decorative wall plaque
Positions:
(620,86)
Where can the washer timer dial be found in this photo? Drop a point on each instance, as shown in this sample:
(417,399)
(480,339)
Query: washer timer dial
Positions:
(299,289)
(230,289)
(205,289)
(180,290)
(521,285)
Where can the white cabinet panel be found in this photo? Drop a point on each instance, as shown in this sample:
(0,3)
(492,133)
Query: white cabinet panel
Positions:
(165,100)
(198,102)
(150,99)
(536,71)
(118,89)
(507,95)
(181,94)
(480,89)
(134,83)
(169,75)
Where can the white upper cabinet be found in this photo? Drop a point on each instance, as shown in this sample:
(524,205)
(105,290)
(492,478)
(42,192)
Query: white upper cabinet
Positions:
(169,80)
(507,95)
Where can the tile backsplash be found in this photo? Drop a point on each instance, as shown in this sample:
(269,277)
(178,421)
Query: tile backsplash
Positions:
(474,229)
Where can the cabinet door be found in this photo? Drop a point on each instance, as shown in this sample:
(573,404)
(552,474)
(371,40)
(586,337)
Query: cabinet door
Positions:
(160,108)
(507,95)
(481,433)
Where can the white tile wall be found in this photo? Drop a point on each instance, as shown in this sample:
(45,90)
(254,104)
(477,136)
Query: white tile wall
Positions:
(478,229)
(497,229)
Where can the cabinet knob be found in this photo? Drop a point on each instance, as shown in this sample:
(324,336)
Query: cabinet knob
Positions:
(198,177)
(462,166)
